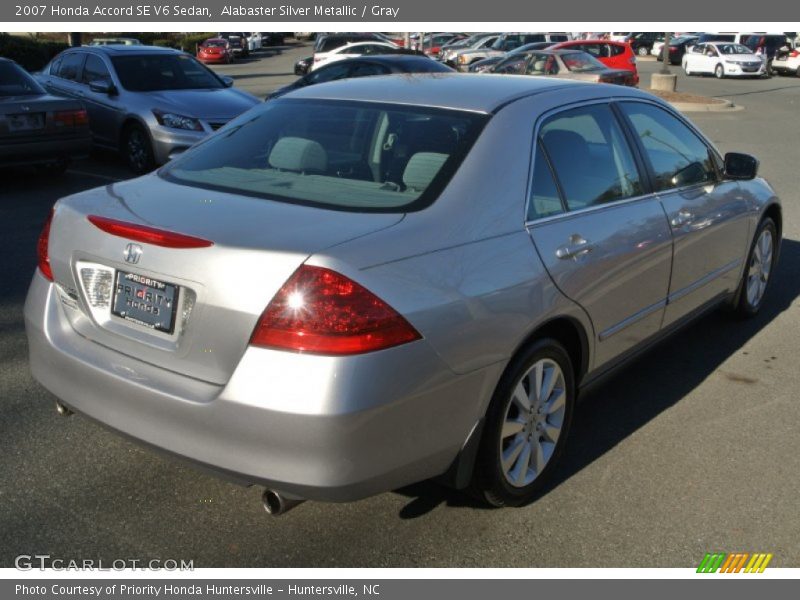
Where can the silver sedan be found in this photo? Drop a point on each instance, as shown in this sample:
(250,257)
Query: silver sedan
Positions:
(149,103)
(376,281)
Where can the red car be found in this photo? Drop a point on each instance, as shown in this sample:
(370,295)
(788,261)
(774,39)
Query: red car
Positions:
(215,50)
(616,55)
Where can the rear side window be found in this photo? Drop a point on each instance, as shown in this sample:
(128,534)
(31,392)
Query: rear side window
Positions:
(590,156)
(359,156)
(614,50)
(71,65)
(677,156)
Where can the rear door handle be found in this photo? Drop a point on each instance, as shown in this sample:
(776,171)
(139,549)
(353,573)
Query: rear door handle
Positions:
(684,217)
(577,247)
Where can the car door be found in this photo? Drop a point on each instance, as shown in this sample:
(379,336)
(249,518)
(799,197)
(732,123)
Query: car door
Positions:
(603,238)
(708,215)
(104,109)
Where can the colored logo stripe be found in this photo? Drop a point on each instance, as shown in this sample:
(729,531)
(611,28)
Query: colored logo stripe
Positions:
(734,562)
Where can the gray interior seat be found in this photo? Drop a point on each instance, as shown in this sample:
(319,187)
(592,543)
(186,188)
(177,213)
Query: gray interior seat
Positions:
(422,167)
(298,154)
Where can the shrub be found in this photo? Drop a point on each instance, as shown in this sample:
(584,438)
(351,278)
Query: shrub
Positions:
(30,54)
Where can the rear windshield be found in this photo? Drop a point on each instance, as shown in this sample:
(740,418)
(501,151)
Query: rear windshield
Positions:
(355,156)
(14,81)
(155,72)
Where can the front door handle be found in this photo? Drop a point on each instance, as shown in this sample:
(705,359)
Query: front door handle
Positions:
(683,218)
(577,247)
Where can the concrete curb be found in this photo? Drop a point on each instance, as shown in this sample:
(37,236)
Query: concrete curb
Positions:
(719,106)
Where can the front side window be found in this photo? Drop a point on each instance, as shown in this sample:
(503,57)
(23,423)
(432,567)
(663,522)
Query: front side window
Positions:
(367,70)
(542,63)
(677,156)
(356,156)
(71,66)
(158,72)
(590,157)
(95,70)
(331,73)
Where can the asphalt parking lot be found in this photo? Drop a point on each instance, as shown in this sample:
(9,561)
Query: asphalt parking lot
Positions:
(694,448)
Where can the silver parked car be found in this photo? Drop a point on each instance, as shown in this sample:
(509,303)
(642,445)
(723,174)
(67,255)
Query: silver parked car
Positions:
(375,281)
(150,103)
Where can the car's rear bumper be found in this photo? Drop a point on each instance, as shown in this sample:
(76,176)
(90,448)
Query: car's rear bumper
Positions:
(323,428)
(43,151)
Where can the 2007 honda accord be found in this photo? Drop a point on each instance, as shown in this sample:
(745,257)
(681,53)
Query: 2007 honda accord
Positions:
(377,281)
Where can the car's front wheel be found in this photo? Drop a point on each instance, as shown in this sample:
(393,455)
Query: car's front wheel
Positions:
(758,269)
(686,69)
(526,425)
(643,51)
(719,72)
(137,149)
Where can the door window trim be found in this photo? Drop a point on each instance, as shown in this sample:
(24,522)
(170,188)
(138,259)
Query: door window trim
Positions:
(633,148)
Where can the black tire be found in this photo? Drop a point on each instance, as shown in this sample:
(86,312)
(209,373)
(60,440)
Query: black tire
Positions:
(743,305)
(719,72)
(490,483)
(137,149)
(643,51)
(797,72)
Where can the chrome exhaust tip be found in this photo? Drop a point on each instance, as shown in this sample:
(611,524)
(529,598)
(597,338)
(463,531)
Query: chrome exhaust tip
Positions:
(277,504)
(63,409)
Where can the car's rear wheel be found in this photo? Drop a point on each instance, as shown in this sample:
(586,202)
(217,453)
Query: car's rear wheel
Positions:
(759,267)
(643,51)
(137,149)
(686,69)
(719,71)
(526,425)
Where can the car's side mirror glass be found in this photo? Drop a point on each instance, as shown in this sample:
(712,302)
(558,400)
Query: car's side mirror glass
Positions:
(740,166)
(227,81)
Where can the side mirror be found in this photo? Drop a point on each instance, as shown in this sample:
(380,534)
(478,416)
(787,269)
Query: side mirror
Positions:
(740,166)
(227,81)
(103,86)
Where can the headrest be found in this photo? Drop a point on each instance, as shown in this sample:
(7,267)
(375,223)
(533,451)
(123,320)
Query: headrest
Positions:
(298,154)
(422,168)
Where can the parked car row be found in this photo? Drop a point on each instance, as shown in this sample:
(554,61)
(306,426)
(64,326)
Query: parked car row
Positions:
(146,102)
(38,128)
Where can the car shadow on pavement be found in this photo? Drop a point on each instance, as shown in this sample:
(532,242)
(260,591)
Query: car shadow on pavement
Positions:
(767,91)
(643,389)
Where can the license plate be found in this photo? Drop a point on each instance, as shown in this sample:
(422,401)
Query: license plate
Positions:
(145,301)
(25,121)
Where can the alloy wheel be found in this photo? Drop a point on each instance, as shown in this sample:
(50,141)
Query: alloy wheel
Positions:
(533,421)
(759,269)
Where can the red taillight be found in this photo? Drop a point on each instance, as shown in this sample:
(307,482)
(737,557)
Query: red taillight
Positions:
(794,53)
(71,118)
(149,235)
(319,311)
(42,247)
(673,48)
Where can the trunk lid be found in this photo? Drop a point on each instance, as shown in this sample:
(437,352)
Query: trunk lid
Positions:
(220,290)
